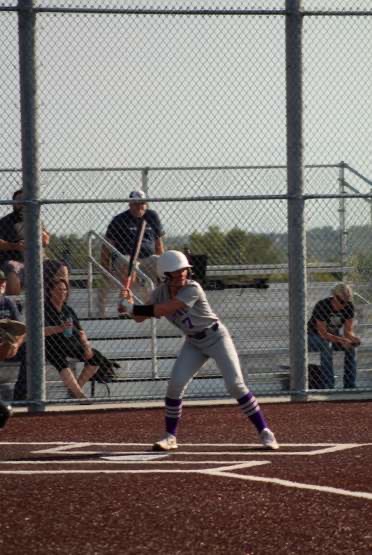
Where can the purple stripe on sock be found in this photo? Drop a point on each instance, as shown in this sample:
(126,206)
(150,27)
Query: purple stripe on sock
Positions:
(173,402)
(247,397)
(175,409)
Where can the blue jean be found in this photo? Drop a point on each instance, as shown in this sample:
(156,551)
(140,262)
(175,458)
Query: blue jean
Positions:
(325,348)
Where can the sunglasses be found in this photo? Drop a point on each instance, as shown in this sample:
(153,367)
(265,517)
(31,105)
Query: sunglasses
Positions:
(341,300)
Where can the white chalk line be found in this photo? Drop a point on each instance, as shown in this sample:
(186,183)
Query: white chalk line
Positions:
(248,464)
(105,461)
(224,471)
(289,484)
(129,444)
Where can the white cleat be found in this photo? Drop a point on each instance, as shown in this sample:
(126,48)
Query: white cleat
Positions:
(268,440)
(168,443)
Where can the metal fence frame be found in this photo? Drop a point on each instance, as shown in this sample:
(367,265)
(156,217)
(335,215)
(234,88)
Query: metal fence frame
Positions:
(293,15)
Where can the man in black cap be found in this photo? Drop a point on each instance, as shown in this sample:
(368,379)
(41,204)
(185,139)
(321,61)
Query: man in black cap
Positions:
(121,233)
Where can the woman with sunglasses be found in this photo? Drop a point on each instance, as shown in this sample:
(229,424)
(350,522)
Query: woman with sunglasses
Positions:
(330,328)
(64,339)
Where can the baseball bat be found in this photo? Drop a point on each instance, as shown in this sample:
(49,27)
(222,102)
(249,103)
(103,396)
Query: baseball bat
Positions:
(134,254)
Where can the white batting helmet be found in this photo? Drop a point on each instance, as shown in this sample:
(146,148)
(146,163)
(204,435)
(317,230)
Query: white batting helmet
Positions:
(171,261)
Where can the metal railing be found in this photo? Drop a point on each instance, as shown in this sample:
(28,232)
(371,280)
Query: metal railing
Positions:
(95,264)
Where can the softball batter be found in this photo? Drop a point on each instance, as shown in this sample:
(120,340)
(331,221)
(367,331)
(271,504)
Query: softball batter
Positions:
(184,303)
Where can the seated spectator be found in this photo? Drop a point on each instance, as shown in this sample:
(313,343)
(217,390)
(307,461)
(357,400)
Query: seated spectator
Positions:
(12,246)
(9,312)
(59,269)
(8,308)
(54,270)
(330,328)
(64,338)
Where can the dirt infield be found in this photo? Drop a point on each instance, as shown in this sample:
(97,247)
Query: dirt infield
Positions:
(88,482)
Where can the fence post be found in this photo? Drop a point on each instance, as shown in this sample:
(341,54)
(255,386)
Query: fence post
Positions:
(296,227)
(342,218)
(145,181)
(33,255)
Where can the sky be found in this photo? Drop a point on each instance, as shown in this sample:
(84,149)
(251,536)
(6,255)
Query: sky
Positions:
(132,91)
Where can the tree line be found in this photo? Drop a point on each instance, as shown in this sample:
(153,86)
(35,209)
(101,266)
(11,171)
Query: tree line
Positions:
(237,246)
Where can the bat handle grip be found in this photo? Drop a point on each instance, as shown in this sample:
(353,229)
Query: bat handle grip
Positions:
(125,306)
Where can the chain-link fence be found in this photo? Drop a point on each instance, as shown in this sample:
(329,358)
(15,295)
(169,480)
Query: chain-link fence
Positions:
(192,105)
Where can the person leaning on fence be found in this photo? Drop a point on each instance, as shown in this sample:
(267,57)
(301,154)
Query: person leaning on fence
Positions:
(121,233)
(183,302)
(330,328)
(12,246)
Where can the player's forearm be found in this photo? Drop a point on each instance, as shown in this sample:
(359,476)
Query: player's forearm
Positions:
(167,309)
(151,310)
(159,247)
(159,310)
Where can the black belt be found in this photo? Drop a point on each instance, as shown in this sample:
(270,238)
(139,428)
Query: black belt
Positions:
(203,334)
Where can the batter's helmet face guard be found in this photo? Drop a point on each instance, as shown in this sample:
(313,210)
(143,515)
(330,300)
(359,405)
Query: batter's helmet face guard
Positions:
(5,413)
(171,261)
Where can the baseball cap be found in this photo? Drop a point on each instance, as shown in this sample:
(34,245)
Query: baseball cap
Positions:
(137,196)
(2,276)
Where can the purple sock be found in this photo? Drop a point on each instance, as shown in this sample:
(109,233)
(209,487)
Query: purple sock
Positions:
(173,411)
(249,405)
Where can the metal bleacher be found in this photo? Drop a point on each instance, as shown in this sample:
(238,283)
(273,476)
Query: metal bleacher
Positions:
(261,337)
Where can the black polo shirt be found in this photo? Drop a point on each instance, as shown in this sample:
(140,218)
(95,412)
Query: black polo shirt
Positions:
(10,231)
(55,318)
(123,229)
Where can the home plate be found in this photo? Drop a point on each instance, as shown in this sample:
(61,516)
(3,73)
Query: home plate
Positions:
(140,457)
